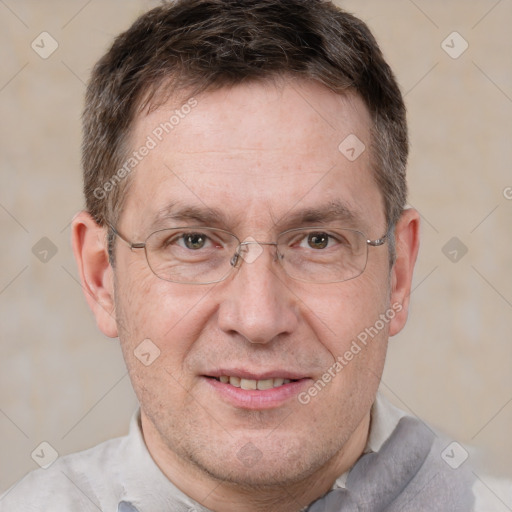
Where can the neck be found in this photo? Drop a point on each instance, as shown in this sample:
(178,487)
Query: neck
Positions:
(221,496)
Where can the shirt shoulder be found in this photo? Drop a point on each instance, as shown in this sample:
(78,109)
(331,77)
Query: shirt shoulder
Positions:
(450,464)
(492,494)
(83,481)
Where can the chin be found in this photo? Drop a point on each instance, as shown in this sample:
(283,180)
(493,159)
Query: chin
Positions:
(249,467)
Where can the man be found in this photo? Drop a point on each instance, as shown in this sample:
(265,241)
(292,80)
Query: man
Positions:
(246,238)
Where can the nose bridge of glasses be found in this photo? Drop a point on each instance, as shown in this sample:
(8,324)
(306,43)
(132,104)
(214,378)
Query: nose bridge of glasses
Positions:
(249,250)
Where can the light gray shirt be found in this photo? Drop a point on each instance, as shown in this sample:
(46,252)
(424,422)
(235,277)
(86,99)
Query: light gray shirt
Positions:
(122,470)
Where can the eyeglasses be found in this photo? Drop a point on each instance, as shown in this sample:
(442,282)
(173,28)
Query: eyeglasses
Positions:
(204,255)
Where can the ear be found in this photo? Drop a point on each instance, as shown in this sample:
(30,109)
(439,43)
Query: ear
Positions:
(96,275)
(407,241)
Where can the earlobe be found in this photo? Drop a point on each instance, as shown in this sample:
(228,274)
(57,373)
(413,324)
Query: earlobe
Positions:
(96,276)
(407,244)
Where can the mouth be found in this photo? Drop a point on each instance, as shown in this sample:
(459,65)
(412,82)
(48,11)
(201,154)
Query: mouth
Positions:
(248,384)
(245,390)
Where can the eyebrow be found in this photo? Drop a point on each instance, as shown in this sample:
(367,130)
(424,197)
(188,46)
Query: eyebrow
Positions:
(334,211)
(177,212)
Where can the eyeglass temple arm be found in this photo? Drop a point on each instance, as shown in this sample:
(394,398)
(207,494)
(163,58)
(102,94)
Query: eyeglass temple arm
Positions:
(381,240)
(376,243)
(132,245)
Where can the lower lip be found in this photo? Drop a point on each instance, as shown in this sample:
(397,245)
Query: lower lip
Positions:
(256,398)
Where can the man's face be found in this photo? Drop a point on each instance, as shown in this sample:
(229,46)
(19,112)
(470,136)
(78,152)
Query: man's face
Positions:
(260,156)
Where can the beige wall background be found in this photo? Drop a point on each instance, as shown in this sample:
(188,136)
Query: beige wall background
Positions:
(63,382)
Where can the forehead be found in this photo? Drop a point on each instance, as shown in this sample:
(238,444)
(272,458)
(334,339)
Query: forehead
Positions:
(256,152)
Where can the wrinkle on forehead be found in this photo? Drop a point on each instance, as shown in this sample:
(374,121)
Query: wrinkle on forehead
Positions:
(260,155)
(304,103)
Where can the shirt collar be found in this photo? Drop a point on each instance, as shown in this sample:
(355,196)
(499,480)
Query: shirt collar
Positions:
(148,489)
(145,485)
(384,418)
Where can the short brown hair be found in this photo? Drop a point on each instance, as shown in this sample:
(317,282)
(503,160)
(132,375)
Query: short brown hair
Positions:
(202,45)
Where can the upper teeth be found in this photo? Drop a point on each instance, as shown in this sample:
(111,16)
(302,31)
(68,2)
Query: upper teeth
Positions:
(252,383)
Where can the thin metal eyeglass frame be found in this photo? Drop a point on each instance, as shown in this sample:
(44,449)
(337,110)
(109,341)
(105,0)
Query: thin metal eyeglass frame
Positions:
(235,259)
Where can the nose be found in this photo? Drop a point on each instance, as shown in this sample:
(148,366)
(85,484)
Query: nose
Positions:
(258,306)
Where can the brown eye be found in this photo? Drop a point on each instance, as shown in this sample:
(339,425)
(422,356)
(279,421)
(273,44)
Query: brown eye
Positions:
(318,240)
(194,241)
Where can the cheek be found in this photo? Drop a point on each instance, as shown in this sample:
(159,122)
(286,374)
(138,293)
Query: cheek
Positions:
(159,324)
(171,316)
(352,324)
(338,313)
(352,321)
